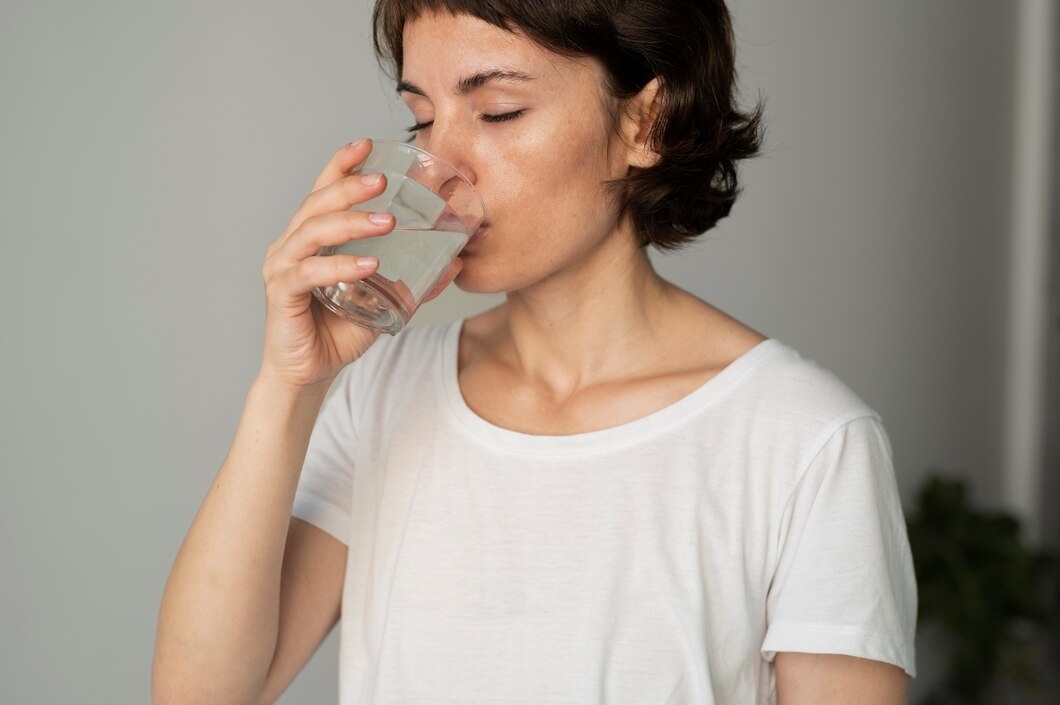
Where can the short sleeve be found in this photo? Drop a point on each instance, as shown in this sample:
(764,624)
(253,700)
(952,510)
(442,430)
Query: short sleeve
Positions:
(844,581)
(325,488)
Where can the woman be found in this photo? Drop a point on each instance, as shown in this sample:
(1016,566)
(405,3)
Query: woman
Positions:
(604,490)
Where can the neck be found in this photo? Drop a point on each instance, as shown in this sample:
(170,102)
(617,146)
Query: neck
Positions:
(599,319)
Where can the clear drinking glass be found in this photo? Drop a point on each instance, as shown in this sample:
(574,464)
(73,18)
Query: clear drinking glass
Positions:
(436,209)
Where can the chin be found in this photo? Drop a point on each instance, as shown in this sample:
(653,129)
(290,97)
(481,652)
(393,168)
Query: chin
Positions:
(491,273)
(473,280)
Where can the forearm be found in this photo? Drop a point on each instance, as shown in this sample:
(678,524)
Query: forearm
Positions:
(217,626)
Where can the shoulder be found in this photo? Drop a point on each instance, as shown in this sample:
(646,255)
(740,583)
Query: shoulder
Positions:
(793,403)
(787,381)
(765,377)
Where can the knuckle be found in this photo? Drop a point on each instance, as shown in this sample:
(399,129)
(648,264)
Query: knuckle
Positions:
(303,269)
(268,270)
(300,233)
(353,187)
(319,228)
(270,286)
(353,220)
(315,226)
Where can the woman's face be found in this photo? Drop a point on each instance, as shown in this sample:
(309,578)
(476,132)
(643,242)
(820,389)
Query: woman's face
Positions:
(530,129)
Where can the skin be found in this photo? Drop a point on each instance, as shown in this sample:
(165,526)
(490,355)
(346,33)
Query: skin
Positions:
(590,336)
(832,679)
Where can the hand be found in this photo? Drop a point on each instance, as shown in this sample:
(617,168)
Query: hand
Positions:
(306,345)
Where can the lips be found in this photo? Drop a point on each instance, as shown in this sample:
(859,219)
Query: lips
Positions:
(476,236)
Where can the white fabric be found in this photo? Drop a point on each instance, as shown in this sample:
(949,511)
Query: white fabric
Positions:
(663,561)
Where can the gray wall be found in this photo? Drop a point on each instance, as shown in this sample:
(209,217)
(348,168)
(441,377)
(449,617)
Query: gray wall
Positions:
(149,152)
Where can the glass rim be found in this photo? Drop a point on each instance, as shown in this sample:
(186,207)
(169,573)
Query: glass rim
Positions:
(435,157)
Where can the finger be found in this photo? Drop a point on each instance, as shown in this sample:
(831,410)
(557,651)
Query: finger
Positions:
(450,274)
(335,197)
(332,229)
(342,162)
(289,285)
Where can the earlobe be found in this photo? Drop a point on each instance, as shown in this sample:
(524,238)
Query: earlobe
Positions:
(641,113)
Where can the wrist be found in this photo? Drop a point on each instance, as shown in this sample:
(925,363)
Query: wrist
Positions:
(281,389)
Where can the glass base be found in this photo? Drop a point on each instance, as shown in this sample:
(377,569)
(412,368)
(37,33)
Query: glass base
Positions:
(367,302)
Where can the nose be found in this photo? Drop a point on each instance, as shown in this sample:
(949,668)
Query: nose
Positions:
(463,204)
(450,143)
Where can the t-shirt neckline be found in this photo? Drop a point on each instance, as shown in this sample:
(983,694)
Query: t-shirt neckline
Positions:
(625,434)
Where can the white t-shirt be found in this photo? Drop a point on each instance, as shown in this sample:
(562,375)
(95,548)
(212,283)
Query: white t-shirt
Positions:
(661,562)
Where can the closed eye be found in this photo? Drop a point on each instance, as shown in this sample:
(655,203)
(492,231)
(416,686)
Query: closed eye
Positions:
(502,118)
(487,118)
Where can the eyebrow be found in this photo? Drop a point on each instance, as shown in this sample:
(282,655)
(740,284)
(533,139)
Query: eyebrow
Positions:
(470,83)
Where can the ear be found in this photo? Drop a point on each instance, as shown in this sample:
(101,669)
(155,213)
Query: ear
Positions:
(638,117)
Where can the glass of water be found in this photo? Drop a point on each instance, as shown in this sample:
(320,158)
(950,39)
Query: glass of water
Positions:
(436,209)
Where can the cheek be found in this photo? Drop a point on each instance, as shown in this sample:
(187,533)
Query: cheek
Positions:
(551,174)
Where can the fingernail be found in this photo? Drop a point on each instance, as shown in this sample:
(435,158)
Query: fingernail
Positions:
(366,262)
(371,179)
(355,145)
(380,218)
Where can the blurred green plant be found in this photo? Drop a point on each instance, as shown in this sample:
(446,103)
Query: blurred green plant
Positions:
(987,589)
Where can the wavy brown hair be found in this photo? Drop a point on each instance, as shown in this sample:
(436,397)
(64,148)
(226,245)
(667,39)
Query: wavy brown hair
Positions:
(699,132)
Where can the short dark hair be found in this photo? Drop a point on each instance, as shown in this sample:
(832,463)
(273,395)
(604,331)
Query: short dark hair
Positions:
(688,44)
